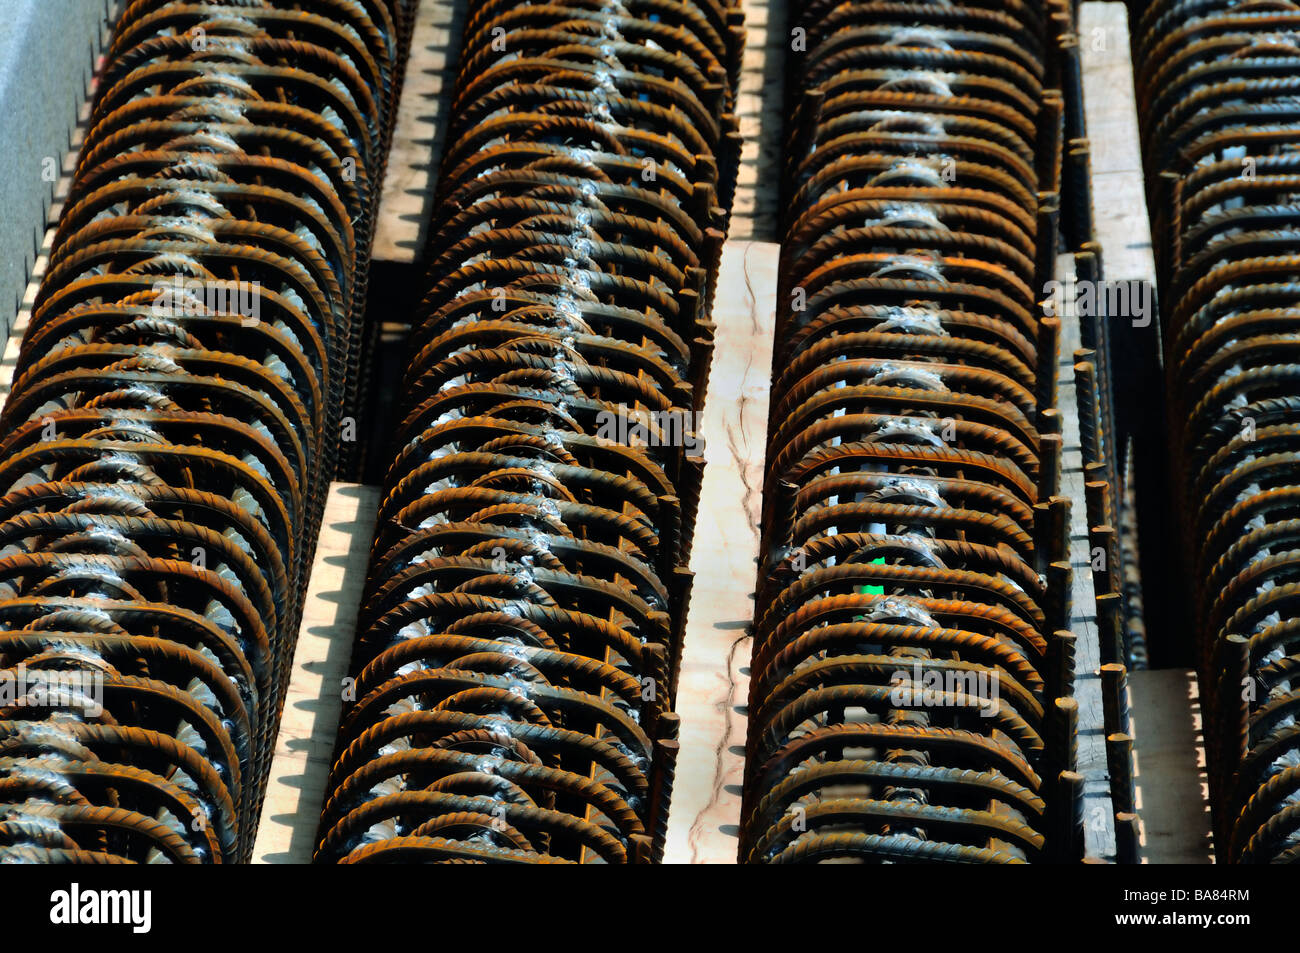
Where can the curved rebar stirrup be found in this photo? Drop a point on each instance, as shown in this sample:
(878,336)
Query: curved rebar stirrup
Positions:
(1217,93)
(172,427)
(521,627)
(901,704)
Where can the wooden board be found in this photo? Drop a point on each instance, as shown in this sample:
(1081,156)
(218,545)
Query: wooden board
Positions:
(1169,767)
(406,200)
(714,685)
(295,789)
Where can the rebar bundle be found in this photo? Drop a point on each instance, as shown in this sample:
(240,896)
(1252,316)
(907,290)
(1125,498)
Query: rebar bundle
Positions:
(175,419)
(906,702)
(1216,90)
(527,591)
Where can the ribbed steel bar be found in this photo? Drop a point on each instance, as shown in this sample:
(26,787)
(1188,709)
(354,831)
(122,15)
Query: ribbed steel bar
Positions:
(1216,89)
(520,632)
(175,419)
(903,705)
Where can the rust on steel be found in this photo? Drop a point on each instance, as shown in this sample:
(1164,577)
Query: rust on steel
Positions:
(1215,85)
(521,628)
(175,419)
(905,703)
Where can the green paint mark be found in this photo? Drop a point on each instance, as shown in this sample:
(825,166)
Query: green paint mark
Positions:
(874,590)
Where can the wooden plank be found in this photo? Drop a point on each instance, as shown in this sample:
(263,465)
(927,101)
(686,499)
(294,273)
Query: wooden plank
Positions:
(1169,759)
(755,208)
(1110,107)
(300,766)
(406,201)
(713,688)
(1098,819)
